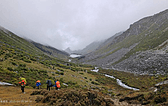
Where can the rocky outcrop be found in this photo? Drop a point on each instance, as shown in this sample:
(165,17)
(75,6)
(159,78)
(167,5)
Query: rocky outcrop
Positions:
(148,62)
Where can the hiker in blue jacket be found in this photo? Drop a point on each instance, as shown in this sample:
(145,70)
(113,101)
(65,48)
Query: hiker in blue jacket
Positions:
(38,84)
(49,84)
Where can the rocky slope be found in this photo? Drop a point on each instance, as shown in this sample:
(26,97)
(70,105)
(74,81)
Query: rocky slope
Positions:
(147,37)
(148,62)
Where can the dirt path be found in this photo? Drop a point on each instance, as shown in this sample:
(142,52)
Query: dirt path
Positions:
(12,96)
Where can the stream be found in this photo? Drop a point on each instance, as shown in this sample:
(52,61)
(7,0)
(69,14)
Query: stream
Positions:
(119,82)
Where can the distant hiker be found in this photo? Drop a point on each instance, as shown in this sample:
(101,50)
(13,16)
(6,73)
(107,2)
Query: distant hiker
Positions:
(23,83)
(38,84)
(49,84)
(57,85)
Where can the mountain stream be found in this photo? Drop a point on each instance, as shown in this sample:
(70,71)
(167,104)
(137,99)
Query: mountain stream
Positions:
(119,82)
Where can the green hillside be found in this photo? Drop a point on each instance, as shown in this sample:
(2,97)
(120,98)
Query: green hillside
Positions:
(20,58)
(13,41)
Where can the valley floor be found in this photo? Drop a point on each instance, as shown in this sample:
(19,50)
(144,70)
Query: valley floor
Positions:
(12,96)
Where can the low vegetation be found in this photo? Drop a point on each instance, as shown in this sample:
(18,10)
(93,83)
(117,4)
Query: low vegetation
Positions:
(134,80)
(79,85)
(73,97)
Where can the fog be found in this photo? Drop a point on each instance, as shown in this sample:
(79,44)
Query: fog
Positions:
(73,23)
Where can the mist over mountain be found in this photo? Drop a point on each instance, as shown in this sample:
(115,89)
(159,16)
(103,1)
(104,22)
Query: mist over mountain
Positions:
(89,48)
(141,49)
(75,24)
(30,46)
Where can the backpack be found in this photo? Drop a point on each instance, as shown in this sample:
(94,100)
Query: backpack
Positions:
(49,83)
(58,84)
(23,83)
(23,79)
(38,84)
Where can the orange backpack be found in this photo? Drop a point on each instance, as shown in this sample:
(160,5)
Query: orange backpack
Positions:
(58,84)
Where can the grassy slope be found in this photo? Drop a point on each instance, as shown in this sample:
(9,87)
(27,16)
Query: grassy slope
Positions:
(14,41)
(74,77)
(137,81)
(20,58)
(52,51)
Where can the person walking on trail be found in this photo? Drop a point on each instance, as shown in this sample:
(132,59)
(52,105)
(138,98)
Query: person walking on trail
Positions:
(49,84)
(38,84)
(23,83)
(57,85)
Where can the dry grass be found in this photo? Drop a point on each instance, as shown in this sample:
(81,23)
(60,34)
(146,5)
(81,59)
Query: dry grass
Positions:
(12,96)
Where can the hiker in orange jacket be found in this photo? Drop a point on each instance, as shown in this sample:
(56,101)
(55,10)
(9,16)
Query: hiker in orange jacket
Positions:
(57,85)
(23,83)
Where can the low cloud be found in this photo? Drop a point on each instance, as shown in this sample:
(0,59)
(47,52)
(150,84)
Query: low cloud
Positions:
(73,23)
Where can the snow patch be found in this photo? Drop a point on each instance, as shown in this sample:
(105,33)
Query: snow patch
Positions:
(74,55)
(5,83)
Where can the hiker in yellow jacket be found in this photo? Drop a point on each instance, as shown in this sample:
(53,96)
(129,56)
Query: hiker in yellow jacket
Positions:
(22,83)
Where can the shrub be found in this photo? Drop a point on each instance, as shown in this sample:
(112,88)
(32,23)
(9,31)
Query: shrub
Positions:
(33,59)
(159,99)
(61,73)
(26,60)
(95,83)
(10,68)
(14,63)
(22,65)
(81,73)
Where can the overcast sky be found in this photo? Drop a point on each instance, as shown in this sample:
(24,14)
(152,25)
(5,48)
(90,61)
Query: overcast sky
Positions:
(73,23)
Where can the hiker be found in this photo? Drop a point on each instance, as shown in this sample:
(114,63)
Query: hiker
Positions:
(57,85)
(23,83)
(49,84)
(38,84)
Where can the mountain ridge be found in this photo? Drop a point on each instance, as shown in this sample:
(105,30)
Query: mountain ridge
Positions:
(146,34)
(30,45)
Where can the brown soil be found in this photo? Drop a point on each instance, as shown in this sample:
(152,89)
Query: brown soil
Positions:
(12,96)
